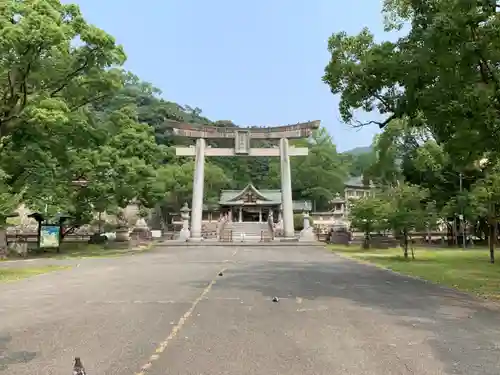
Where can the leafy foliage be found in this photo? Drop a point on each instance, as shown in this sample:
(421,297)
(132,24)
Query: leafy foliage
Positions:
(421,79)
(298,222)
(402,209)
(437,90)
(369,214)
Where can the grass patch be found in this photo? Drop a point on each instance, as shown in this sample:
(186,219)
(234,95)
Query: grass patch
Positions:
(84,250)
(466,270)
(13,274)
(79,250)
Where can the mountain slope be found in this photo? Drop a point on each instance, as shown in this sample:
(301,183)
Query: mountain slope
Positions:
(359,150)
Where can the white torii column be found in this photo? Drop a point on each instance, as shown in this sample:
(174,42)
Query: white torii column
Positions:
(286,190)
(198,184)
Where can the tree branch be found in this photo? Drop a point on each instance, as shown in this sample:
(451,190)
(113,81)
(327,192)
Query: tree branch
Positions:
(360,124)
(487,74)
(384,102)
(66,80)
(12,104)
(90,100)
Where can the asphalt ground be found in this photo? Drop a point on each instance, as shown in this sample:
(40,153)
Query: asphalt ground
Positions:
(169,312)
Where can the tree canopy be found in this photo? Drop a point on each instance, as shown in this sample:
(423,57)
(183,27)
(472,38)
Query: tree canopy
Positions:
(437,89)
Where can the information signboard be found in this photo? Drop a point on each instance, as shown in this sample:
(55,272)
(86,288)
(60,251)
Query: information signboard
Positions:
(49,236)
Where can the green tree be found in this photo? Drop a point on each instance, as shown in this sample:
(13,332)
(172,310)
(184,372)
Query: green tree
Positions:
(321,174)
(118,167)
(360,164)
(407,211)
(485,198)
(47,82)
(42,63)
(369,214)
(298,222)
(441,75)
(413,155)
(389,148)
(176,181)
(124,167)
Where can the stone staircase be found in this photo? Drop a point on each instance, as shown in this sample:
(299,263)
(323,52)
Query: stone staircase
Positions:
(248,231)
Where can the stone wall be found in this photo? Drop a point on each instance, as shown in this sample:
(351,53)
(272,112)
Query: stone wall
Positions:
(23,221)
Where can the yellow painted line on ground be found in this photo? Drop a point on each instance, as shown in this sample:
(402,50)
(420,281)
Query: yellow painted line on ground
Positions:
(175,330)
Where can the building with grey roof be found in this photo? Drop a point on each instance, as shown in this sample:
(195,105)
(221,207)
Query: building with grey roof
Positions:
(252,204)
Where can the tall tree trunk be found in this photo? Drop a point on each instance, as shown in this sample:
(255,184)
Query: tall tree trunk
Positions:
(366,241)
(455,232)
(483,228)
(449,234)
(3,243)
(405,243)
(493,240)
(99,220)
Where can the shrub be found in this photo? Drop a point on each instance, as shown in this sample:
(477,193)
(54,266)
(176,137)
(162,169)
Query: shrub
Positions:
(298,221)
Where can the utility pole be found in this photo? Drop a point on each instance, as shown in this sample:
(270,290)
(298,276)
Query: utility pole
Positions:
(462,218)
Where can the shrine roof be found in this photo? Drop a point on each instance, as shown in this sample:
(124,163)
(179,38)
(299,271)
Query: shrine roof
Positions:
(269,196)
(250,194)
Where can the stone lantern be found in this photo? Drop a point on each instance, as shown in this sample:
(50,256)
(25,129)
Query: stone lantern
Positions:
(185,233)
(307,233)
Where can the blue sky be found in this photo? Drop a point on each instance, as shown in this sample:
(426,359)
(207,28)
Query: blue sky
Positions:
(254,62)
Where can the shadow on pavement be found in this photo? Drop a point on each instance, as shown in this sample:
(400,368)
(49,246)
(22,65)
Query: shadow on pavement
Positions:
(9,358)
(465,332)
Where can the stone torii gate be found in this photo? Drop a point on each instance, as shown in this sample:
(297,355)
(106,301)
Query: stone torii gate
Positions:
(242,137)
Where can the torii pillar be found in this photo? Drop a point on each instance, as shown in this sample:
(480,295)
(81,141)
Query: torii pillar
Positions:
(286,190)
(198,185)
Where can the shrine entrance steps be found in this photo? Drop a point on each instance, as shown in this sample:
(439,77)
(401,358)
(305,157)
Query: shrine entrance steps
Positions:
(248,231)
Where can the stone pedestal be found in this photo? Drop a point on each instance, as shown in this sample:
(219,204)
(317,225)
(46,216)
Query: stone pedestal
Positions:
(141,224)
(185,234)
(122,235)
(307,234)
(141,231)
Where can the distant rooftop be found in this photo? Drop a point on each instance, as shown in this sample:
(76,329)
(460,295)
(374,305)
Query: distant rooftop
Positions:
(357,182)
